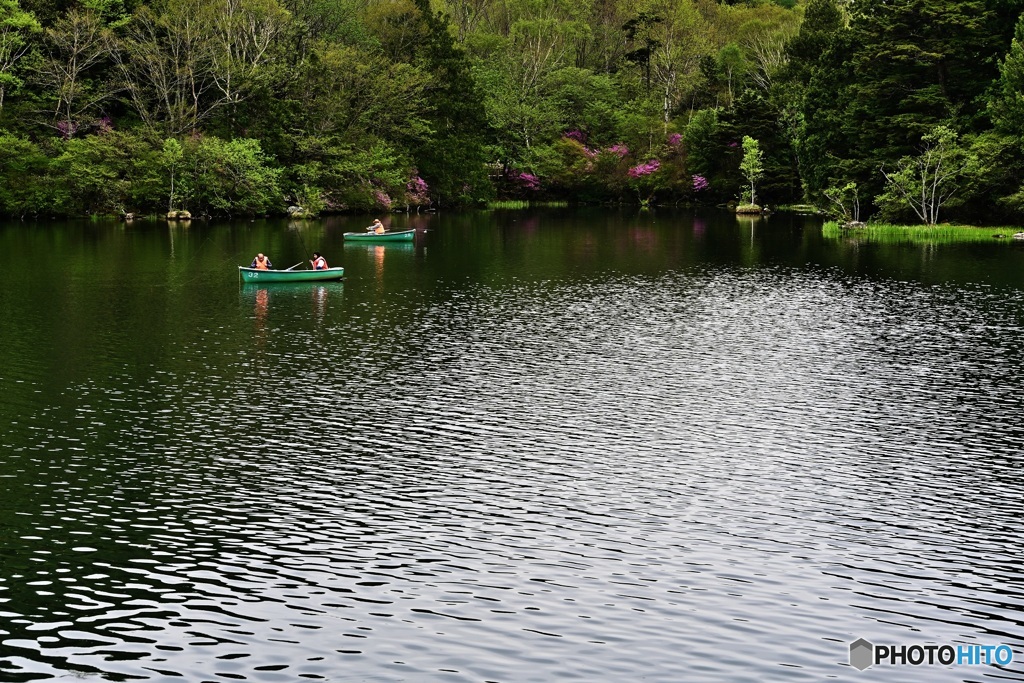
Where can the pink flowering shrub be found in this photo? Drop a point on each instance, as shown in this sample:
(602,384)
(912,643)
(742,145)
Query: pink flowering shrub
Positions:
(417,192)
(675,139)
(382,199)
(526,181)
(619,150)
(699,183)
(577,135)
(67,129)
(641,170)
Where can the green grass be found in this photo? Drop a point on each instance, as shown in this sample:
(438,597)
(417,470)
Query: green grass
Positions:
(938,234)
(524,204)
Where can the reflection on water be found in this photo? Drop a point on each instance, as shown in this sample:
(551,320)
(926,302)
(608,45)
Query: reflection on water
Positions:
(640,451)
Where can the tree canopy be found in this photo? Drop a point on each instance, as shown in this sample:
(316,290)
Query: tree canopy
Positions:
(226,107)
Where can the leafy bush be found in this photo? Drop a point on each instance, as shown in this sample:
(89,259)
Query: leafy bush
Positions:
(108,173)
(228,177)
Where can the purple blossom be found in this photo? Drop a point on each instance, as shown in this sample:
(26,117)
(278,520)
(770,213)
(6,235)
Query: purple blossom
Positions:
(619,149)
(104,124)
(417,184)
(734,144)
(417,191)
(382,198)
(577,135)
(699,183)
(67,129)
(675,139)
(641,170)
(527,181)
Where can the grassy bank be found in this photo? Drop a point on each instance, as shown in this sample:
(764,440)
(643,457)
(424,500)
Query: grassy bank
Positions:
(883,232)
(525,204)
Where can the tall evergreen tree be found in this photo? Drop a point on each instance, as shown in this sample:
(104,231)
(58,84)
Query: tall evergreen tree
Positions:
(1007,106)
(452,159)
(910,65)
(822,71)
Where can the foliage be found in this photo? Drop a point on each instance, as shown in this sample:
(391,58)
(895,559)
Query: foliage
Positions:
(928,181)
(110,173)
(752,166)
(246,106)
(916,234)
(227,177)
(845,201)
(24,167)
(16,29)
(1007,106)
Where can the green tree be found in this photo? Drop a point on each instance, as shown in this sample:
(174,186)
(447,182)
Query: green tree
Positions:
(752,166)
(171,157)
(452,160)
(25,181)
(757,116)
(901,69)
(71,73)
(1007,105)
(732,66)
(993,188)
(110,173)
(813,109)
(845,202)
(16,31)
(926,182)
(229,177)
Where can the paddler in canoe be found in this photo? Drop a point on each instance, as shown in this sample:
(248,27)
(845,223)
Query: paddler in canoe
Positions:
(261,262)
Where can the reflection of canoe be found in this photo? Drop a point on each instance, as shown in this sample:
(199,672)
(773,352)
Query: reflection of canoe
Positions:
(297,288)
(261,276)
(393,236)
(391,247)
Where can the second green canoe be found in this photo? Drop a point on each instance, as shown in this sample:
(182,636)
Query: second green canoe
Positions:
(393,236)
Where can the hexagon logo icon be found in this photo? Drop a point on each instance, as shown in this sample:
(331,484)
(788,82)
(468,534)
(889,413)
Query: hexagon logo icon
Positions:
(862,654)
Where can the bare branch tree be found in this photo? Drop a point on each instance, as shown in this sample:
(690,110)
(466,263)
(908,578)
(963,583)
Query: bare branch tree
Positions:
(928,181)
(72,47)
(166,63)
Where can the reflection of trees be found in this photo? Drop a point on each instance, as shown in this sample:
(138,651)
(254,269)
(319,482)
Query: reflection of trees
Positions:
(420,222)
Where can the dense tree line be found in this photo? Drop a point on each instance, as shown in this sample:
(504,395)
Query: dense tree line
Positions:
(228,107)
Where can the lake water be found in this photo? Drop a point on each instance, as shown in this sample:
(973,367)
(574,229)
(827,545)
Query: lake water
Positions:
(531,446)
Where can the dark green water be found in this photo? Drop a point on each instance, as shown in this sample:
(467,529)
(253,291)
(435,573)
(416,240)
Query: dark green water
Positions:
(530,446)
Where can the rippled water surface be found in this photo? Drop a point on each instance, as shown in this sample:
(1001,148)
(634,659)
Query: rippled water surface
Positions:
(528,447)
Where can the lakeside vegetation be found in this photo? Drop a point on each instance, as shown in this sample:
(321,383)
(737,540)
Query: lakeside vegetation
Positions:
(935,234)
(903,111)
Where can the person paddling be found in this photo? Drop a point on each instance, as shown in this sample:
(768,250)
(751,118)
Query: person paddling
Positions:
(261,262)
(319,263)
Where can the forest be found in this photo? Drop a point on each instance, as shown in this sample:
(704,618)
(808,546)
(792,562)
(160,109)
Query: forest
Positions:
(899,110)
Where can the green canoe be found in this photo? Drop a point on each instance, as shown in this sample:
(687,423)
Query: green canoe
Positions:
(256,275)
(394,236)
